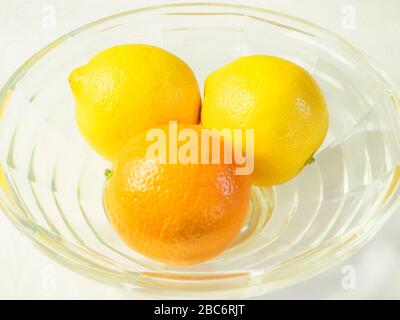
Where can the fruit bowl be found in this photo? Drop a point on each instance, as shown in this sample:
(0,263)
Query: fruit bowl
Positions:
(52,182)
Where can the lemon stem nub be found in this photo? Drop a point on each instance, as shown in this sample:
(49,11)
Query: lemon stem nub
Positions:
(310,160)
(108,174)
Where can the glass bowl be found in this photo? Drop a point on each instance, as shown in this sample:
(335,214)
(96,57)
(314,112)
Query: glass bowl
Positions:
(52,181)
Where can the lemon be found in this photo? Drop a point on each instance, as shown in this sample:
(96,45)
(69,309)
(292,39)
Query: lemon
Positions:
(280,101)
(126,89)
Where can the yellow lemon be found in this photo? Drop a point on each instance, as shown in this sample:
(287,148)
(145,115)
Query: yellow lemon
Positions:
(126,89)
(280,101)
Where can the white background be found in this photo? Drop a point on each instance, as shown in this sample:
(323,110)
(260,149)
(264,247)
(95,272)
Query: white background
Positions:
(27,25)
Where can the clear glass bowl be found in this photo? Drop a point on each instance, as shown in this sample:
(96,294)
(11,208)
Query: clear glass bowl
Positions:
(53,181)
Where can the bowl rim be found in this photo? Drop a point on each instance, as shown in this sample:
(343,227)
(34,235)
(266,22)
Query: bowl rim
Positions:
(168,280)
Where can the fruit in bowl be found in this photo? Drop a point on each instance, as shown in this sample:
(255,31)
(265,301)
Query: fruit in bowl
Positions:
(187,202)
(176,213)
(128,88)
(280,101)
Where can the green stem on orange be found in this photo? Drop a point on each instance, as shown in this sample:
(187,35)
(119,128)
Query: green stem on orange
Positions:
(108,174)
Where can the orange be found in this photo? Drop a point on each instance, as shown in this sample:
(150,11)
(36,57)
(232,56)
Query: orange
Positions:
(126,89)
(177,214)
